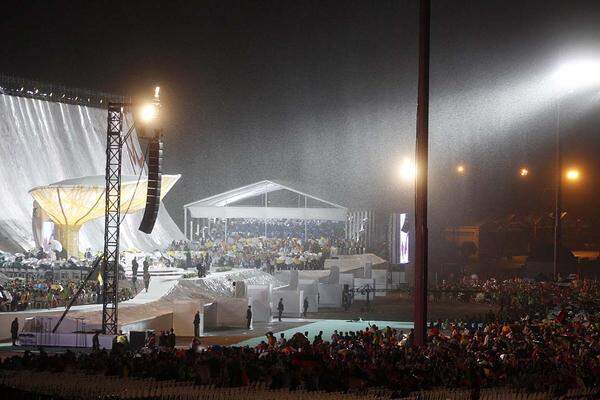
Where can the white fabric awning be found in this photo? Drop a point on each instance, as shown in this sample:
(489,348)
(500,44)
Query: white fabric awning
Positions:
(326,214)
(223,205)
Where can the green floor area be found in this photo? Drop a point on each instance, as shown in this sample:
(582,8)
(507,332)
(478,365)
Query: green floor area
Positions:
(330,325)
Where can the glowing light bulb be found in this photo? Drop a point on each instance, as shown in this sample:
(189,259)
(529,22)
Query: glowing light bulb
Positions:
(407,170)
(573,174)
(148,113)
(524,172)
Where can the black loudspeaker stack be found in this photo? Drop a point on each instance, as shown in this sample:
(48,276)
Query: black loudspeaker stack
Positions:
(155,156)
(137,339)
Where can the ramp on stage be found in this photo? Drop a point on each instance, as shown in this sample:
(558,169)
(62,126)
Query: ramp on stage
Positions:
(42,142)
(166,295)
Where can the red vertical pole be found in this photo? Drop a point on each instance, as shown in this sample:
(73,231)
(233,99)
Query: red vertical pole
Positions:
(421,157)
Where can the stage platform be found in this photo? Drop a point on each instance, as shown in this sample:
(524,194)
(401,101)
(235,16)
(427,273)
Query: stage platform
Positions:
(166,295)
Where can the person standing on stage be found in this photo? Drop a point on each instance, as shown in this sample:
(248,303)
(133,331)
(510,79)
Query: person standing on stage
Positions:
(146,280)
(96,341)
(146,264)
(280,308)
(171,339)
(146,274)
(14,331)
(197,324)
(305,307)
(248,317)
(134,271)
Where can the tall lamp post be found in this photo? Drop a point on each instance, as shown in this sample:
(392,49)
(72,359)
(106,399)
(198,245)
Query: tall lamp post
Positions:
(568,77)
(421,160)
(558,195)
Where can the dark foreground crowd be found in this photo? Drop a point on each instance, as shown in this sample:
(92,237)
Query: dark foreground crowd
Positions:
(554,348)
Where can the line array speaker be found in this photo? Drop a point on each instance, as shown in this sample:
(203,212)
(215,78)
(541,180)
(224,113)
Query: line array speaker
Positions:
(155,156)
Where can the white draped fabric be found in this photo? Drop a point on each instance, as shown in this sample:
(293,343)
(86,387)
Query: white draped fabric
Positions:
(324,214)
(44,142)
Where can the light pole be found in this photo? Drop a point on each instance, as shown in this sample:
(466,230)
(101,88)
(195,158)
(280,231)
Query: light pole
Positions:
(421,161)
(568,77)
(558,195)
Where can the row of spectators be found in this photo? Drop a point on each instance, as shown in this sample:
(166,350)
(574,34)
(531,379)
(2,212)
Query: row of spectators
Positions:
(509,294)
(258,252)
(274,245)
(272,228)
(21,295)
(36,280)
(533,352)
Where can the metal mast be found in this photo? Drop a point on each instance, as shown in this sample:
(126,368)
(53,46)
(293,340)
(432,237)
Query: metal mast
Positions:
(112,219)
(422,156)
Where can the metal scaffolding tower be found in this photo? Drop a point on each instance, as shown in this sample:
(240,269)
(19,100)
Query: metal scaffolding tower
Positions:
(112,219)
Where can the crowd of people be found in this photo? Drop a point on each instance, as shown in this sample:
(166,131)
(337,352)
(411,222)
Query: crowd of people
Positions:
(514,294)
(269,254)
(21,295)
(272,228)
(47,283)
(546,338)
(274,245)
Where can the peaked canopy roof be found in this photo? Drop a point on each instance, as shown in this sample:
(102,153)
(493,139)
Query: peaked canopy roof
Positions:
(223,205)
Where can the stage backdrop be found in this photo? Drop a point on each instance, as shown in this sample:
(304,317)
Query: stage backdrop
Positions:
(43,142)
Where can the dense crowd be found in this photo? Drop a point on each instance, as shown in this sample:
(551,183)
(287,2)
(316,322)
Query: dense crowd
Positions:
(531,348)
(274,245)
(515,294)
(40,280)
(273,228)
(269,254)
(20,295)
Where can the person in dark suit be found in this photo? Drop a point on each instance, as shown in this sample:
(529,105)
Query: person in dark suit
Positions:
(280,308)
(96,341)
(14,331)
(305,306)
(248,317)
(197,324)
(172,339)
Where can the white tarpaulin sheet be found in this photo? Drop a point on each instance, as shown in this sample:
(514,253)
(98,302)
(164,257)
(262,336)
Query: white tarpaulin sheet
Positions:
(44,142)
(225,312)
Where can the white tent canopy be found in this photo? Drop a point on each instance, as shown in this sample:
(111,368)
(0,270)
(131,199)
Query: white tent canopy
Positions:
(223,206)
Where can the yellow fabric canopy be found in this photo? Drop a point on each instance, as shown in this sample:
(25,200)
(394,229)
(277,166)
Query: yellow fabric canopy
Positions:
(74,202)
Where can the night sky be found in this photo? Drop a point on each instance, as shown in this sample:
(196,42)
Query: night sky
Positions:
(324,93)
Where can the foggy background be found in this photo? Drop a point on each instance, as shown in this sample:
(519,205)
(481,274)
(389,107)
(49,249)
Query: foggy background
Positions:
(324,93)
